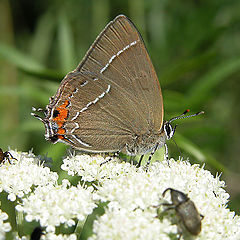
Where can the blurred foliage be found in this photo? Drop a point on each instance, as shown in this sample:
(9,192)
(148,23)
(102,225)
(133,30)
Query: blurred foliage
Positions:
(194,45)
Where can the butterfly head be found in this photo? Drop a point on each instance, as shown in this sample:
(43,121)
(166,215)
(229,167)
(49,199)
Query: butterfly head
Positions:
(169,130)
(50,123)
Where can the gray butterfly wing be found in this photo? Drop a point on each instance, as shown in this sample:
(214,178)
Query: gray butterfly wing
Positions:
(114,93)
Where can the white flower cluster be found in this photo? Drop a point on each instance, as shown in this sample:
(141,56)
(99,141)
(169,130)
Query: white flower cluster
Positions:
(18,178)
(120,223)
(90,168)
(136,192)
(4,226)
(133,198)
(52,236)
(53,205)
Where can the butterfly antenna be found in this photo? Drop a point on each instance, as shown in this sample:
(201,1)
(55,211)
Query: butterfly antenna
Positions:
(183,115)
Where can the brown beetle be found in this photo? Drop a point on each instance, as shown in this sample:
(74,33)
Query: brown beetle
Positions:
(186,211)
(5,156)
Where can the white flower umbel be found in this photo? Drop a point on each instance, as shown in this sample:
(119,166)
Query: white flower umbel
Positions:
(89,168)
(137,189)
(133,198)
(138,192)
(22,174)
(53,205)
(119,223)
(4,226)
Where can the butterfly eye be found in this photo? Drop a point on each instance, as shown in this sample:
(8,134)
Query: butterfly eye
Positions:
(169,131)
(53,138)
(55,113)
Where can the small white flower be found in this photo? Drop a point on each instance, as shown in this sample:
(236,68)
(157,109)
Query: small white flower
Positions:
(89,168)
(15,236)
(22,174)
(53,205)
(52,236)
(4,226)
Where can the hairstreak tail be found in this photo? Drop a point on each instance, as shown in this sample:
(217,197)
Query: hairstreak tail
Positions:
(112,101)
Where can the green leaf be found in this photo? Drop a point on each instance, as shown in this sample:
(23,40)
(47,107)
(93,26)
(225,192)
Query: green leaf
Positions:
(66,43)
(19,59)
(185,66)
(201,90)
(198,154)
(27,63)
(43,37)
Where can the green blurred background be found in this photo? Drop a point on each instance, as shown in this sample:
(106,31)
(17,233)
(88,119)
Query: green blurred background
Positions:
(194,46)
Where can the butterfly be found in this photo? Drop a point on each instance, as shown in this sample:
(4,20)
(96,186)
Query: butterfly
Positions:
(112,101)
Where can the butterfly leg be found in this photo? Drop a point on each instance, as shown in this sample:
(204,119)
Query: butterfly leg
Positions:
(116,154)
(9,154)
(166,153)
(180,234)
(150,156)
(140,161)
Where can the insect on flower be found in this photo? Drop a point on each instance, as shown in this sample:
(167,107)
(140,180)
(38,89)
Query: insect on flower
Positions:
(186,211)
(5,156)
(37,233)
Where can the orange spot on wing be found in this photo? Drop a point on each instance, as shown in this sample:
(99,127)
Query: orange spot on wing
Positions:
(61,118)
(61,131)
(61,137)
(63,112)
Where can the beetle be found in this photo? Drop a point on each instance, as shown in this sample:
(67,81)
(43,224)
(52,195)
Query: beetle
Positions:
(186,211)
(5,156)
(37,233)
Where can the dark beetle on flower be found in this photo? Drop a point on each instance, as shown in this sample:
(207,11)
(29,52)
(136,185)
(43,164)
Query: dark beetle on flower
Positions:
(37,233)
(5,156)
(186,211)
